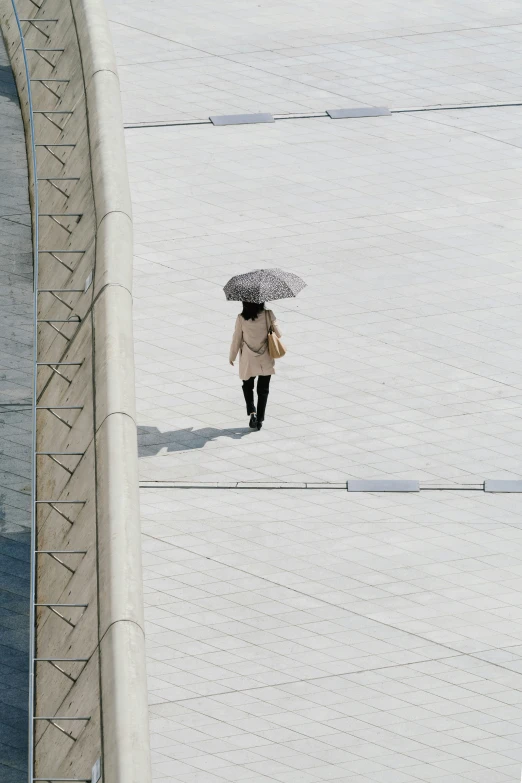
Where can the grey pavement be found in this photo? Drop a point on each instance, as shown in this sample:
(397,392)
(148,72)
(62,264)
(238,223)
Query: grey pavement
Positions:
(16,346)
(318,635)
(406,230)
(308,634)
(179,61)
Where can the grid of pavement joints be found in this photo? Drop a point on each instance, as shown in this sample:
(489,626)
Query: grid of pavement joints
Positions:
(322,637)
(313,636)
(16,345)
(283,58)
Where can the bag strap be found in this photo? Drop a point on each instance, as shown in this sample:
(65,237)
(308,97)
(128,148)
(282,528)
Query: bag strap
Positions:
(269,327)
(263,348)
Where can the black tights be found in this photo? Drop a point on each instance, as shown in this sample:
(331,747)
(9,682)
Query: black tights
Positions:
(263,386)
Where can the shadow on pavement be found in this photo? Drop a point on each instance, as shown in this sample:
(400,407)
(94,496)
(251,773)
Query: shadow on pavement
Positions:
(151,440)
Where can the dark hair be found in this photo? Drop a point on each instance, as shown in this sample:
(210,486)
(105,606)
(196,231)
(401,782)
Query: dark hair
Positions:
(251,310)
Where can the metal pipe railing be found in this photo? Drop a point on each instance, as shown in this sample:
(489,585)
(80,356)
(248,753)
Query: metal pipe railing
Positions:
(32,640)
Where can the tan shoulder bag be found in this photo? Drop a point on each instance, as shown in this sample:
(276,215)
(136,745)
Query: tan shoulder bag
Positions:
(276,349)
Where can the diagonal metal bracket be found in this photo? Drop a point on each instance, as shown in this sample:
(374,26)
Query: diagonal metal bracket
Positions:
(54,552)
(53,253)
(60,615)
(53,365)
(55,661)
(55,215)
(48,149)
(73,319)
(55,291)
(53,180)
(54,503)
(53,454)
(60,408)
(56,258)
(51,662)
(41,49)
(54,718)
(46,85)
(56,124)
(35,22)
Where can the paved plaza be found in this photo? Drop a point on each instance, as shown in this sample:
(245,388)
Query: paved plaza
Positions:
(313,634)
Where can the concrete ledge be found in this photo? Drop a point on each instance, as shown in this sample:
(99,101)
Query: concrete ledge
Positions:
(114,242)
(113,359)
(119,550)
(126,757)
(109,160)
(95,38)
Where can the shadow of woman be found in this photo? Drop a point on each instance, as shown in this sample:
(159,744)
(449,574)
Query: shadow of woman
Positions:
(151,441)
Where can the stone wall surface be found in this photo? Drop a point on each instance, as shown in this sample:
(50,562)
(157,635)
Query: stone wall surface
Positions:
(84,309)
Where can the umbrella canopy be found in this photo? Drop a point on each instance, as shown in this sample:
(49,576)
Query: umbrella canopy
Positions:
(263,285)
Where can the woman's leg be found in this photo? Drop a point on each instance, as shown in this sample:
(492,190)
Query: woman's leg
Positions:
(248,391)
(263,385)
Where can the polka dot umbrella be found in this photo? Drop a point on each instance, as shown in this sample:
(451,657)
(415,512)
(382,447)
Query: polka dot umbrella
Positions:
(263,285)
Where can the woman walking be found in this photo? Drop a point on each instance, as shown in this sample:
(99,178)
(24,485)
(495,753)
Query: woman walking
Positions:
(250,340)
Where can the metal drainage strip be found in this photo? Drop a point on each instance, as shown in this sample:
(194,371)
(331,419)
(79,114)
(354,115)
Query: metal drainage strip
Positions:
(399,485)
(241,119)
(362,111)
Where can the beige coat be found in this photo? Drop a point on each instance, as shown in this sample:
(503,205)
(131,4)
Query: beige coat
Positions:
(251,341)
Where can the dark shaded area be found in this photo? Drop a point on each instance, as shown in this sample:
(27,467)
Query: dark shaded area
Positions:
(15,544)
(151,440)
(16,375)
(7,84)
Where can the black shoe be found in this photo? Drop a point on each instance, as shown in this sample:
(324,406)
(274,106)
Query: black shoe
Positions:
(259,425)
(253,421)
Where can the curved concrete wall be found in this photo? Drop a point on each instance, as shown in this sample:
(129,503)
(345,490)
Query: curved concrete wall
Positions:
(109,687)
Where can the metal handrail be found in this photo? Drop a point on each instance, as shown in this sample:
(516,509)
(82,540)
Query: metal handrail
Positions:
(32,648)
